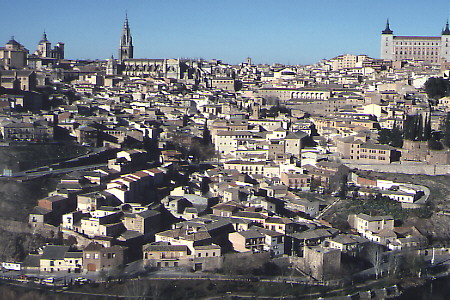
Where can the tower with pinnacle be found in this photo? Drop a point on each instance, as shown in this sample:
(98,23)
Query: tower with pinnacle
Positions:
(445,43)
(387,43)
(44,47)
(126,42)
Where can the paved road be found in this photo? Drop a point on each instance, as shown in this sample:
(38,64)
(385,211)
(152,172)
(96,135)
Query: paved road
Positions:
(327,209)
(53,171)
(163,274)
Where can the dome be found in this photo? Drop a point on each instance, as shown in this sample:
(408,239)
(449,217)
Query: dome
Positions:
(12,41)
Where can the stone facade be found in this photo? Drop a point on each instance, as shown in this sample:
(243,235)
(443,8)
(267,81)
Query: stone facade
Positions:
(431,49)
(322,263)
(96,257)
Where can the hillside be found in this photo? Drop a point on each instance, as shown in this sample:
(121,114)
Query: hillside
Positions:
(18,198)
(428,219)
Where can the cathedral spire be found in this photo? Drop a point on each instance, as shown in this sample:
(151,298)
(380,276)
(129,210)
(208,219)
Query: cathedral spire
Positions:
(126,41)
(125,23)
(387,30)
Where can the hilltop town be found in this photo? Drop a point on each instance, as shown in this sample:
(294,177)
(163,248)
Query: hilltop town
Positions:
(327,172)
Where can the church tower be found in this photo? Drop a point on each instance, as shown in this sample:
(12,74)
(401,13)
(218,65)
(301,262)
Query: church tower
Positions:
(111,67)
(44,47)
(387,43)
(126,42)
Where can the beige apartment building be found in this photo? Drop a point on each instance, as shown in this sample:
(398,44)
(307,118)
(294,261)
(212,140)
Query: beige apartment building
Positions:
(364,223)
(264,168)
(96,257)
(355,148)
(296,180)
(347,61)
(59,258)
(284,94)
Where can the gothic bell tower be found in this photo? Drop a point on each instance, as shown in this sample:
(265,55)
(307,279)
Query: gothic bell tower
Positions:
(126,42)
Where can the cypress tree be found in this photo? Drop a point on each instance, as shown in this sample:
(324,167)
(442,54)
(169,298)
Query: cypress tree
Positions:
(419,128)
(396,137)
(427,128)
(410,127)
(446,138)
(206,136)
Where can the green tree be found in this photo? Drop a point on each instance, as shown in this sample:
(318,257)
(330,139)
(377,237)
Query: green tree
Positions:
(410,127)
(396,137)
(419,128)
(344,187)
(412,264)
(437,87)
(427,128)
(446,133)
(384,136)
(206,136)
(434,144)
(392,137)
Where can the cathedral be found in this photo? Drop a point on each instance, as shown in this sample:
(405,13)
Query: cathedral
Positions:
(16,56)
(429,49)
(13,55)
(145,67)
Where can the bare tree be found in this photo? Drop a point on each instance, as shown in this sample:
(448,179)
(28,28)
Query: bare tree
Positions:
(374,256)
(412,264)
(137,289)
(394,262)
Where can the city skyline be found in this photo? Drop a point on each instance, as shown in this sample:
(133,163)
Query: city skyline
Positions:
(286,32)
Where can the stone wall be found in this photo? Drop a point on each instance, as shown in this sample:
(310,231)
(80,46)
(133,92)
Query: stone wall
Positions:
(403,167)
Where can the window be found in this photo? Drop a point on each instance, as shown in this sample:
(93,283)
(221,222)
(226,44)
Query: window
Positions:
(95,255)
(88,255)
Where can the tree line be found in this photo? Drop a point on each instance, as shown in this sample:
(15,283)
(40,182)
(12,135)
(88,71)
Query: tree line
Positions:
(418,127)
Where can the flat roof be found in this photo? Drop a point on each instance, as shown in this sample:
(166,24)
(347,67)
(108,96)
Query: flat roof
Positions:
(438,38)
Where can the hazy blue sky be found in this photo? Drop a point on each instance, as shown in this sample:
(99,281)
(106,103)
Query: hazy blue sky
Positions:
(285,31)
